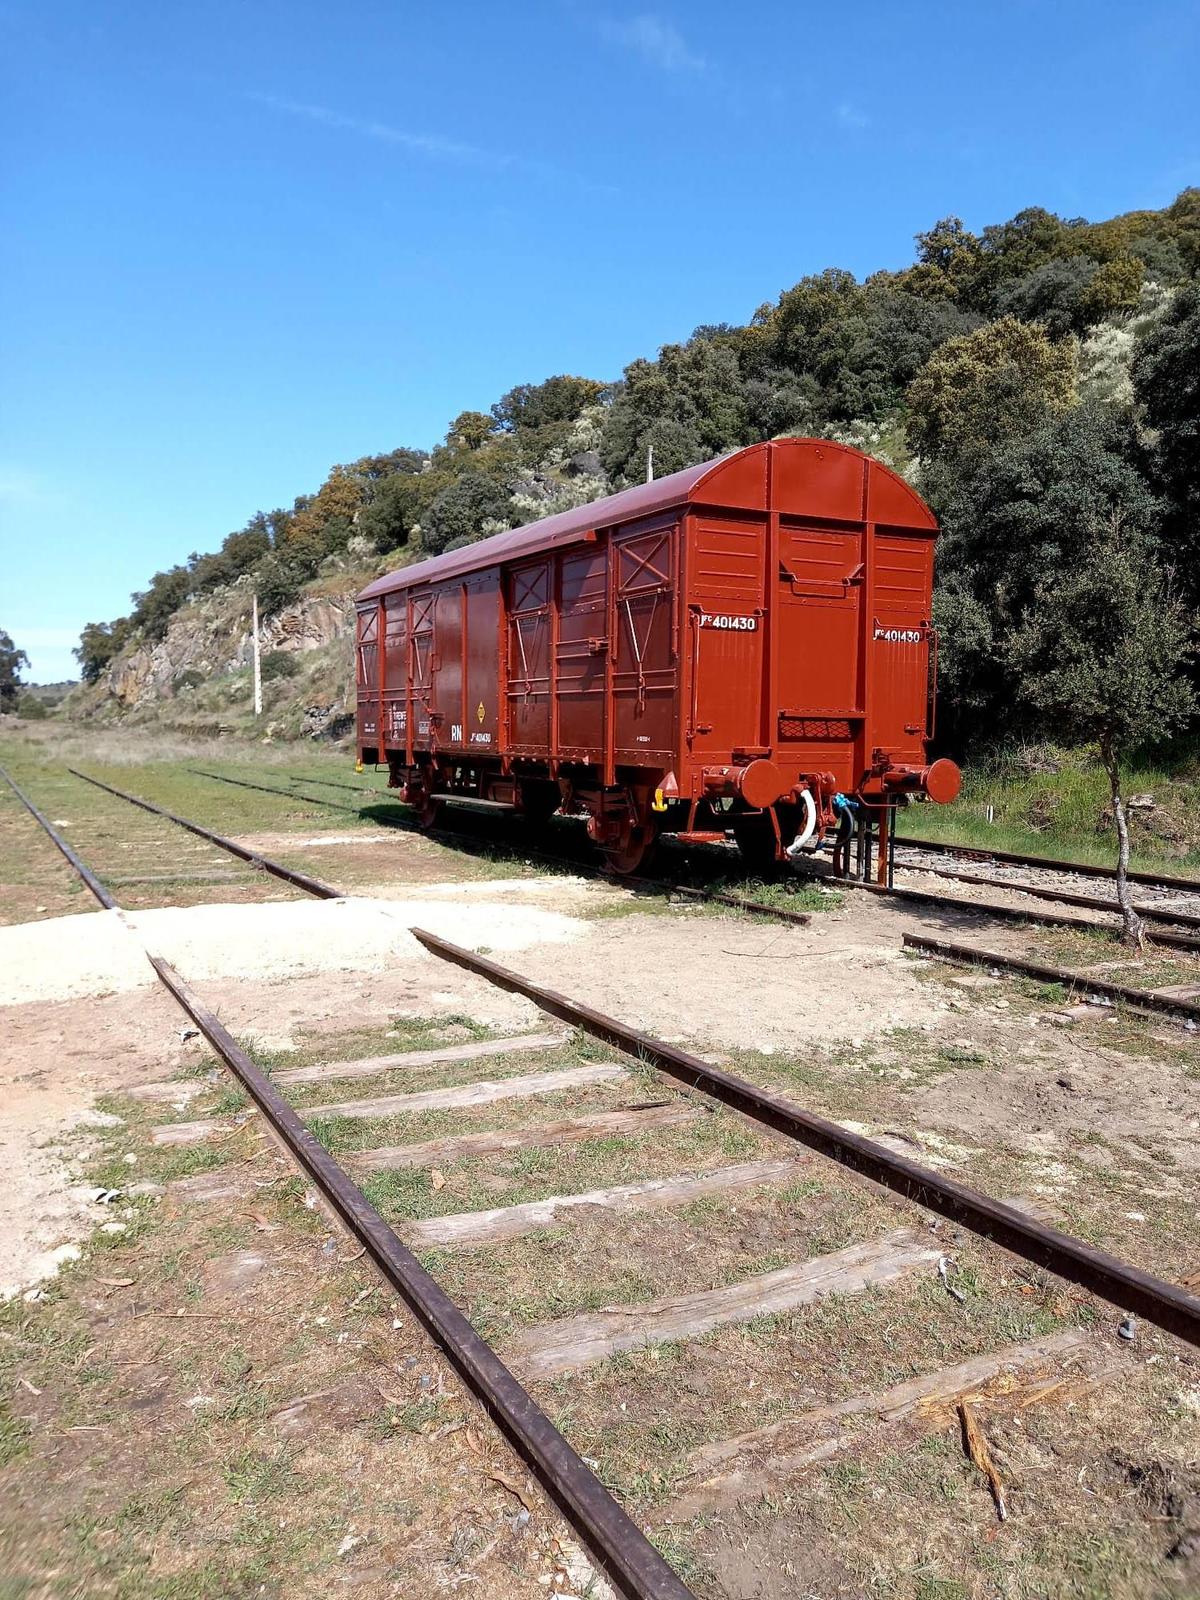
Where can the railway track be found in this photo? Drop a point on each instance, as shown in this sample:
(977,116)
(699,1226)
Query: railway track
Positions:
(1184,1009)
(690,1083)
(1080,869)
(1167,928)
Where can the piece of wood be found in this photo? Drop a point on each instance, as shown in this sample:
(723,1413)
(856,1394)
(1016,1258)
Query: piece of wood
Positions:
(1176,991)
(470,1094)
(192,1132)
(510,1222)
(975,1441)
(729,1472)
(177,1093)
(226,1183)
(472,1051)
(544,1135)
(574,1342)
(188,1088)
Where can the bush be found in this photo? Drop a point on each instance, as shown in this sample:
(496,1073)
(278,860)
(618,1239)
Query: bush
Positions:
(31,708)
(278,664)
(279,583)
(190,679)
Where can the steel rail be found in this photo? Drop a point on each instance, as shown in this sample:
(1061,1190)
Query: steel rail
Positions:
(1124,1286)
(1068,897)
(1083,868)
(627,1556)
(970,955)
(298,880)
(87,876)
(1047,919)
(309,799)
(332,783)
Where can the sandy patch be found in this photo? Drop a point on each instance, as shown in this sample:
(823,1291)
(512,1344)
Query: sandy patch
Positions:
(738,984)
(82,1015)
(59,1056)
(57,1059)
(1051,1096)
(100,953)
(93,953)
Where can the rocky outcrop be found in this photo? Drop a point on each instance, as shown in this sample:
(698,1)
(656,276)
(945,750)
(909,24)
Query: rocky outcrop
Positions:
(211,637)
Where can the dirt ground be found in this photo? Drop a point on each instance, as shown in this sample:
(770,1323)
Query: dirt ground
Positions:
(219,1400)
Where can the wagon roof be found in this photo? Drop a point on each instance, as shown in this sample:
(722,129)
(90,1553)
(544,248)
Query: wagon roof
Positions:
(643,500)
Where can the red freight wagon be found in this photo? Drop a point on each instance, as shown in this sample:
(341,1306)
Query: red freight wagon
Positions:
(745,645)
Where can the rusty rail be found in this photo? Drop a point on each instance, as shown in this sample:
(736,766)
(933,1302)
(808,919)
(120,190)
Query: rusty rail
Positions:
(973,853)
(1123,1285)
(970,955)
(1045,919)
(298,880)
(629,1559)
(88,877)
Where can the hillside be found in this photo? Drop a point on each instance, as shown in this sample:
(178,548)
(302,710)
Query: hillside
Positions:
(1037,381)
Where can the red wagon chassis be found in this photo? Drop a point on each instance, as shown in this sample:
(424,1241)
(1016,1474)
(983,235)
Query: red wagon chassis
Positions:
(746,644)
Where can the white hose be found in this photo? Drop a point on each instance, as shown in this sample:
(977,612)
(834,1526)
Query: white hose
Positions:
(806,832)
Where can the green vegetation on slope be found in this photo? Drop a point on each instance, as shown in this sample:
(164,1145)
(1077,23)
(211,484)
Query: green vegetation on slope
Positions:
(1039,381)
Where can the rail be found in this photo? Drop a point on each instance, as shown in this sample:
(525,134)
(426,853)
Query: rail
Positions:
(1123,1285)
(627,1556)
(1013,858)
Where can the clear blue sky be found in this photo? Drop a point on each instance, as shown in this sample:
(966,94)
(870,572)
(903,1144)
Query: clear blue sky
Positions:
(246,239)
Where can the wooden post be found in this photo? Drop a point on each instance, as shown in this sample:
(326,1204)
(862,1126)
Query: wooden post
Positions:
(257,663)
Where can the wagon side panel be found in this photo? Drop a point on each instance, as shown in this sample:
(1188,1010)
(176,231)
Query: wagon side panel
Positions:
(530,654)
(644,644)
(366,672)
(901,642)
(724,636)
(580,654)
(395,671)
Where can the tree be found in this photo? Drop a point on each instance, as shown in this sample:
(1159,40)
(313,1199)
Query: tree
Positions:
(689,405)
(154,607)
(1166,382)
(394,509)
(1012,515)
(982,387)
(11,662)
(98,644)
(31,709)
(461,509)
(1100,656)
(470,429)
(537,405)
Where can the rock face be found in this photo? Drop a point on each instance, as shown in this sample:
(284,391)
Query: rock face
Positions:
(211,637)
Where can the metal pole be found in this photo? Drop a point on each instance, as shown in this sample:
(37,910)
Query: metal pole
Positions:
(257,663)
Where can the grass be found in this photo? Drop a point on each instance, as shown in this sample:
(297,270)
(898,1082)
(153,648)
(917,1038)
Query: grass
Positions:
(1064,813)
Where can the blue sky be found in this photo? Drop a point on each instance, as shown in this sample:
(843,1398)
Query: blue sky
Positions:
(248,239)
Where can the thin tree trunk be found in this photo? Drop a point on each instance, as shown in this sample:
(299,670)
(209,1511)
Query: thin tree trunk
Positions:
(1134,934)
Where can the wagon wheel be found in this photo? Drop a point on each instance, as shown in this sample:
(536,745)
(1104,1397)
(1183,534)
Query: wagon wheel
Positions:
(634,854)
(429,812)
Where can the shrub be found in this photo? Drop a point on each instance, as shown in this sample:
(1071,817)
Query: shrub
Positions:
(278,664)
(189,679)
(31,708)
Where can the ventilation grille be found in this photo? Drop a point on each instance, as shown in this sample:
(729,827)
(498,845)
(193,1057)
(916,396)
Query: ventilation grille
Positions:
(791,727)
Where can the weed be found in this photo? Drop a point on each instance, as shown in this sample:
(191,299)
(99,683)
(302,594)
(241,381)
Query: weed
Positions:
(14,1435)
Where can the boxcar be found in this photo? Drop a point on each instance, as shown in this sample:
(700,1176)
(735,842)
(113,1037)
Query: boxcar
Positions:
(745,646)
